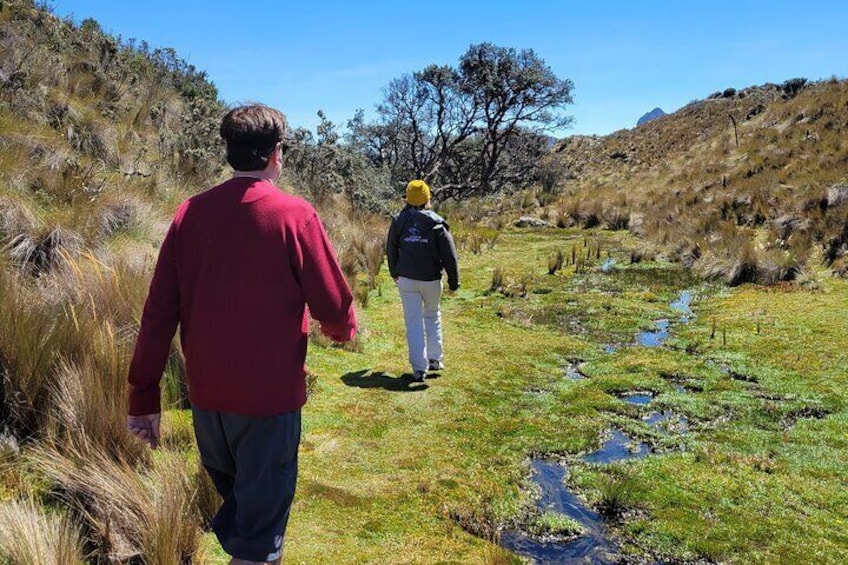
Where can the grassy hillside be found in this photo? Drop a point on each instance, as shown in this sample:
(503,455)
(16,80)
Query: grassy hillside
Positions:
(100,139)
(758,201)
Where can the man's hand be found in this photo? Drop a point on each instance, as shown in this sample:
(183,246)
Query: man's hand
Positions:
(145,428)
(338,336)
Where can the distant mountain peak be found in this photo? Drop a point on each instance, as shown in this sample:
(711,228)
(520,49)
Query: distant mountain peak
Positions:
(652,115)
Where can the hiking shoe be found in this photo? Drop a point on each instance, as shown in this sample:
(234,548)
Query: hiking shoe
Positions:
(434,365)
(418,376)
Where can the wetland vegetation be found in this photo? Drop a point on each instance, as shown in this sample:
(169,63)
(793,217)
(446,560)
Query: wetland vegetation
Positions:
(661,378)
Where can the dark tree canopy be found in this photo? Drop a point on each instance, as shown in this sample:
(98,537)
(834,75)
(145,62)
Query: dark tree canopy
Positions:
(473,129)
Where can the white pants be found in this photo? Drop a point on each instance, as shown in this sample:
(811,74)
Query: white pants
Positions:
(421,313)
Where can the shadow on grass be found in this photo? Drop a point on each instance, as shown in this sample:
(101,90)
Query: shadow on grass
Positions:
(378,379)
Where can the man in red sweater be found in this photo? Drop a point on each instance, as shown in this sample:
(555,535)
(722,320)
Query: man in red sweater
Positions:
(239,267)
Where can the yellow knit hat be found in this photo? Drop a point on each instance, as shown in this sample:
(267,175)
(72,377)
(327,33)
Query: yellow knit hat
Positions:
(417,193)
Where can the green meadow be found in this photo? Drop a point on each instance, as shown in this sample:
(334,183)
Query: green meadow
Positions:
(400,472)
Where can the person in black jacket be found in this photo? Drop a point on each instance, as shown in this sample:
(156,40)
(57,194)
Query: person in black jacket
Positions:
(419,246)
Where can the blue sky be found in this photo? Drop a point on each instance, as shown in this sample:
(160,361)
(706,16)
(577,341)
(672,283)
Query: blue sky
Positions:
(624,58)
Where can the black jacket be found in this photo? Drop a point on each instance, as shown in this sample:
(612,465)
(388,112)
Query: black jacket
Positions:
(419,246)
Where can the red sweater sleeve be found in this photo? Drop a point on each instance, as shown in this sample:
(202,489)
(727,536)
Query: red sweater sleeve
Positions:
(158,324)
(324,286)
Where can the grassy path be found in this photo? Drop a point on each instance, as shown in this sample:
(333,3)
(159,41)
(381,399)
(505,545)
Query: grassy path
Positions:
(390,468)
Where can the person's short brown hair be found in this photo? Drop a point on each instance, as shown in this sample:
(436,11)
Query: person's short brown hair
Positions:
(251,134)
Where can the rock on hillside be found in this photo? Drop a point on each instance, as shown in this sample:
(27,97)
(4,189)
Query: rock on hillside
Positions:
(652,115)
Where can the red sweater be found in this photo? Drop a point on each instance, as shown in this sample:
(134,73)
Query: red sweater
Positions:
(237,270)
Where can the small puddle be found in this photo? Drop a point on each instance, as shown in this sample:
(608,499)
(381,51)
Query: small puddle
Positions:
(637,398)
(619,447)
(655,337)
(667,422)
(659,334)
(664,421)
(591,547)
(683,304)
(607,265)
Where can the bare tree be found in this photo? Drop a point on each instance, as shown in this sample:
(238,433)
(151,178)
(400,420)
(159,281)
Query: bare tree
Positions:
(454,127)
(515,90)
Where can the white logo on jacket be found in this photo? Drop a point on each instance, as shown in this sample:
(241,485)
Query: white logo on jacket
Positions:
(414,236)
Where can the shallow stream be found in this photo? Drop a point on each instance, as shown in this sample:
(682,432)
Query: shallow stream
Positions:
(595,545)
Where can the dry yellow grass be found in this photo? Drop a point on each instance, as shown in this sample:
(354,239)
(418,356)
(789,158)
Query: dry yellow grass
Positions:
(29,535)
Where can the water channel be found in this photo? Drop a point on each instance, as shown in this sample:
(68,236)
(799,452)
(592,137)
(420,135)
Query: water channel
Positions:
(595,545)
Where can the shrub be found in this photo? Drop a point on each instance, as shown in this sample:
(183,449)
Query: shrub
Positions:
(793,86)
(549,174)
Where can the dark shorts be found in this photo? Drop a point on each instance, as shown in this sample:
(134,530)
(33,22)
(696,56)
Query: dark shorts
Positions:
(253,463)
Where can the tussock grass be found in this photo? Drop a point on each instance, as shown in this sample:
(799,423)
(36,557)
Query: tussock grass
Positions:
(496,555)
(151,513)
(361,261)
(65,358)
(497,280)
(474,238)
(555,261)
(16,218)
(10,466)
(89,407)
(509,284)
(34,333)
(44,250)
(359,239)
(617,496)
(31,536)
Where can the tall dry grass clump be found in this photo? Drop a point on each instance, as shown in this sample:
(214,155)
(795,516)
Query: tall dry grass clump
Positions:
(361,260)
(148,512)
(65,349)
(359,238)
(10,464)
(475,238)
(734,261)
(88,411)
(35,334)
(29,535)
(555,262)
